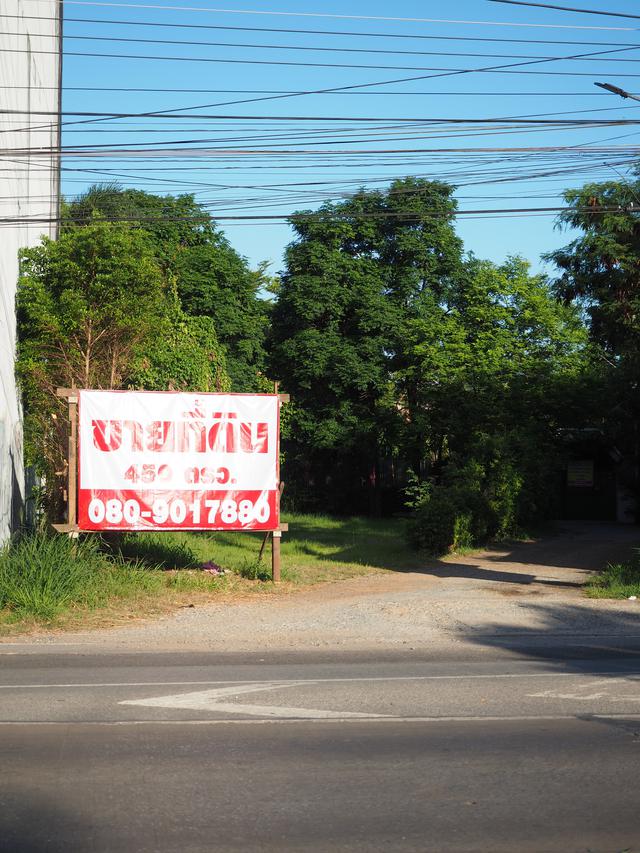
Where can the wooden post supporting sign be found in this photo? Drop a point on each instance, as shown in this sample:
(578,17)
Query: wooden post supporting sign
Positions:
(71,527)
(276,535)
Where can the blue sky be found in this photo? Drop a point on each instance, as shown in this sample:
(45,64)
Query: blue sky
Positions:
(258,149)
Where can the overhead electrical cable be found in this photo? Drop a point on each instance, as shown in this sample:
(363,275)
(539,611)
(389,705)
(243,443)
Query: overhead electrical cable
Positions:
(349,65)
(298,31)
(535,118)
(405,214)
(291,141)
(148,90)
(89,151)
(503,68)
(567,9)
(292,31)
(264,12)
(319,49)
(500,69)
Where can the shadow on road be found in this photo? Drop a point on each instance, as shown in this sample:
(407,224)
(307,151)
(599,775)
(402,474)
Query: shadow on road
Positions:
(567,633)
(32,821)
(574,639)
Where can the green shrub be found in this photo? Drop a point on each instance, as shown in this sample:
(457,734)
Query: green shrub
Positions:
(444,518)
(463,530)
(485,494)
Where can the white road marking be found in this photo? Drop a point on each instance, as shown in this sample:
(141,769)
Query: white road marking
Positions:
(601,687)
(212,700)
(91,685)
(529,718)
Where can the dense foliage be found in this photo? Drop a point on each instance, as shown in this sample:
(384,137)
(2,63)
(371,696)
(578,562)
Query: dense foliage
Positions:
(421,378)
(600,275)
(359,272)
(210,277)
(403,355)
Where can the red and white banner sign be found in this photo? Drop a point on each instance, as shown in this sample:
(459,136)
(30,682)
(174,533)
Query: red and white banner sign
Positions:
(177,461)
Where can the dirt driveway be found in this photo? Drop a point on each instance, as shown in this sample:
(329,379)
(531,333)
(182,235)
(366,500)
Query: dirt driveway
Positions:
(530,592)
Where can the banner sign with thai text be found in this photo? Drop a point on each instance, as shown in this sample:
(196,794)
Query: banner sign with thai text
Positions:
(177,461)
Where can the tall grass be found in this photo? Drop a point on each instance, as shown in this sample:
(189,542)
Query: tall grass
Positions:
(41,575)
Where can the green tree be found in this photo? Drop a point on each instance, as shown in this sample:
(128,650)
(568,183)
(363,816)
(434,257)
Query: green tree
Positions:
(355,275)
(86,301)
(95,311)
(212,279)
(487,357)
(600,274)
(600,269)
(402,353)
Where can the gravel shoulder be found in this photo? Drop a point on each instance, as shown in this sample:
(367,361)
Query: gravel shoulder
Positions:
(526,593)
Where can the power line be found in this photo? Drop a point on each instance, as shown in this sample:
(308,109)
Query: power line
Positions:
(334,16)
(504,68)
(292,30)
(148,90)
(358,119)
(291,141)
(314,48)
(98,151)
(408,214)
(476,168)
(567,9)
(500,69)
(534,121)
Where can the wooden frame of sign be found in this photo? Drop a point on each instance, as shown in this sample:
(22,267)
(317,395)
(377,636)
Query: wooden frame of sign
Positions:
(70,526)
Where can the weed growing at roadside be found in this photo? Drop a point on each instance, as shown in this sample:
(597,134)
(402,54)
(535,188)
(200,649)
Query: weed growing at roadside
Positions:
(253,569)
(51,579)
(618,580)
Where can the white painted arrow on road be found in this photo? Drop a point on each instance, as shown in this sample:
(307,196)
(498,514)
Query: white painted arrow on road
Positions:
(599,689)
(214,700)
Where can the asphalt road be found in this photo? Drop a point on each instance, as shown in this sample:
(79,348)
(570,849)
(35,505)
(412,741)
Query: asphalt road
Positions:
(508,750)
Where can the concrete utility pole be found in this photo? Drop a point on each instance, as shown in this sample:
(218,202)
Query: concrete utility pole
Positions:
(616,90)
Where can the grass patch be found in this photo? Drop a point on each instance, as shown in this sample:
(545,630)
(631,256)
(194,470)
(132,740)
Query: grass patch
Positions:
(317,548)
(618,580)
(57,581)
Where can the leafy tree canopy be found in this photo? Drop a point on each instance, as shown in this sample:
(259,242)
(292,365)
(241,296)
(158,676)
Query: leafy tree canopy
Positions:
(212,279)
(490,358)
(356,271)
(600,269)
(600,273)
